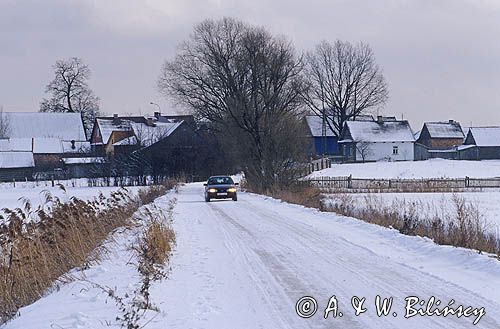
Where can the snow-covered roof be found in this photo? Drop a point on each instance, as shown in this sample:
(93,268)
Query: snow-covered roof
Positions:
(392,131)
(465,147)
(108,125)
(16,160)
(148,135)
(65,126)
(315,124)
(47,146)
(146,130)
(76,147)
(85,160)
(486,136)
(16,144)
(447,129)
(43,145)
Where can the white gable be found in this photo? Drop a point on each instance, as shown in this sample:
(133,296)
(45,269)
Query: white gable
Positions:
(107,126)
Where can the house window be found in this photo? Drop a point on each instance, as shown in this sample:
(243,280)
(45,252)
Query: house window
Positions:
(395,150)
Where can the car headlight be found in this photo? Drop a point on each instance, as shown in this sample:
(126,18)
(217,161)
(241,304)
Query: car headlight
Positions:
(231,189)
(212,190)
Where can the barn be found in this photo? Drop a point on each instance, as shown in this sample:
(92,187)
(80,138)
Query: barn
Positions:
(481,143)
(16,165)
(441,135)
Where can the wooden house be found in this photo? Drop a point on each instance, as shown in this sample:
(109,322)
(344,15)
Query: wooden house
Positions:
(441,135)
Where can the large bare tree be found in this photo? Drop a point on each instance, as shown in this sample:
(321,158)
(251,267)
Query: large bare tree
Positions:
(247,84)
(344,82)
(69,91)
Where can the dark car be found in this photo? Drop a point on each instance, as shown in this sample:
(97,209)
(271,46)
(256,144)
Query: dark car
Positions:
(220,187)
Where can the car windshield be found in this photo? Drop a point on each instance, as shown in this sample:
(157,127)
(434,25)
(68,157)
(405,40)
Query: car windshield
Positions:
(220,181)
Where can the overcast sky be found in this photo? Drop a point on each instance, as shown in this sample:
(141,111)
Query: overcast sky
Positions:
(441,59)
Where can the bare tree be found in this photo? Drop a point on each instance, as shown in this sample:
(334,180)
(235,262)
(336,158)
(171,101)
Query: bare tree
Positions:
(247,84)
(70,92)
(4,124)
(364,149)
(344,82)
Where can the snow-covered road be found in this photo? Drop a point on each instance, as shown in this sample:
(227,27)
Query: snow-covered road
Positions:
(245,264)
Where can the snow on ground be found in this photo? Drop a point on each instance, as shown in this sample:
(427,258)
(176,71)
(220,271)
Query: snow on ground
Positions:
(245,264)
(10,196)
(440,204)
(81,303)
(434,168)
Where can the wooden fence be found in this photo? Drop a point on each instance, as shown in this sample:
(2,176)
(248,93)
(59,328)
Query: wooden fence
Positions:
(315,165)
(347,183)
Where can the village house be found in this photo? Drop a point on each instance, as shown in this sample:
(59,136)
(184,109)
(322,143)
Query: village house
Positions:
(481,143)
(439,140)
(383,139)
(123,135)
(140,145)
(46,138)
(319,145)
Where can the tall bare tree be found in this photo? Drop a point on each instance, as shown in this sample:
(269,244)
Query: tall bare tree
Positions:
(344,82)
(70,91)
(247,83)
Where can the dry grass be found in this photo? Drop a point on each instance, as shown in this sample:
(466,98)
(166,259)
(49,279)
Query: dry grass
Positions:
(37,246)
(302,194)
(156,243)
(463,226)
(153,250)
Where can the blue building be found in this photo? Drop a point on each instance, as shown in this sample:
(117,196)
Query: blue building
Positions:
(316,145)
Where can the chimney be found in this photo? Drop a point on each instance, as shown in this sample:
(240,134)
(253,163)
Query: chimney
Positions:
(157,115)
(451,121)
(380,119)
(116,120)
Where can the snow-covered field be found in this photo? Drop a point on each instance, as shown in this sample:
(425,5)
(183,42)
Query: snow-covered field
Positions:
(440,204)
(434,168)
(10,196)
(246,264)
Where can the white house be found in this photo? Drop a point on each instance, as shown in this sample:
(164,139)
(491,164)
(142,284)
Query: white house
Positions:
(383,139)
